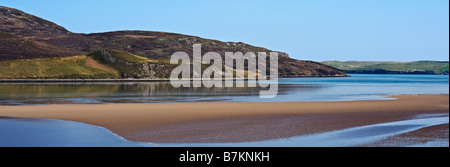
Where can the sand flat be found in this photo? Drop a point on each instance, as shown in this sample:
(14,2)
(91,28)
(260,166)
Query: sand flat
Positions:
(234,122)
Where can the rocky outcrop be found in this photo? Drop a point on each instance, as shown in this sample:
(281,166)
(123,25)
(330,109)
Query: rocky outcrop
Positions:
(128,69)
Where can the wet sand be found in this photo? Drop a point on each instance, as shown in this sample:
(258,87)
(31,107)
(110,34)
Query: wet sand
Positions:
(426,137)
(234,122)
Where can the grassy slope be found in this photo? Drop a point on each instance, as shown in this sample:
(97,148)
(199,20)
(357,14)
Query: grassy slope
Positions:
(128,57)
(74,67)
(422,66)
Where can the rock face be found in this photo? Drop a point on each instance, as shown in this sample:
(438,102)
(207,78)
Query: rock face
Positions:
(154,45)
(129,69)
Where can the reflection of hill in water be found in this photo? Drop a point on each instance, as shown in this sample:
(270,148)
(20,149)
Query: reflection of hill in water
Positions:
(165,88)
(138,92)
(357,87)
(59,88)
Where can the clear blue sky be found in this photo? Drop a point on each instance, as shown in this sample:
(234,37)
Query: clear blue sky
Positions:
(386,30)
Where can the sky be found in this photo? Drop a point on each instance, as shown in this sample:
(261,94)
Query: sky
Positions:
(318,30)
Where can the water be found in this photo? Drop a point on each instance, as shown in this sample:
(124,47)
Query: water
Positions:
(357,87)
(342,138)
(30,132)
(47,132)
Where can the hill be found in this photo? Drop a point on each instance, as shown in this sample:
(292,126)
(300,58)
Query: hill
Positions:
(416,67)
(147,44)
(16,22)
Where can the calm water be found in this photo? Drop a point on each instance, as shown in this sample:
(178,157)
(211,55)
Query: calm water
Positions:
(357,87)
(30,132)
(47,132)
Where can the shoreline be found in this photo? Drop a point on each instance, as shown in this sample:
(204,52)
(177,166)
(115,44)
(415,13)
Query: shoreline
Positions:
(234,122)
(143,80)
(79,80)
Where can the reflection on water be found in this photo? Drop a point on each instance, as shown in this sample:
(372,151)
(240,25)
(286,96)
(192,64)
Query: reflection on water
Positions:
(60,93)
(357,87)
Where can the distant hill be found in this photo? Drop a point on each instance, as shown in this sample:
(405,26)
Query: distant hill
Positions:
(29,37)
(368,67)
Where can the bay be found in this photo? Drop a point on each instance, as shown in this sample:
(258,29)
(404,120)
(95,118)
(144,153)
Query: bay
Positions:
(356,87)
